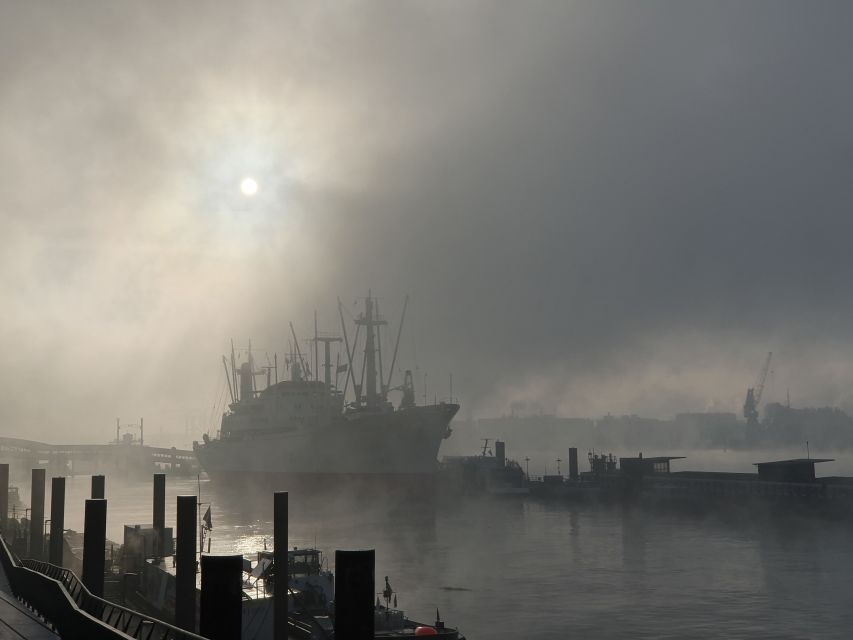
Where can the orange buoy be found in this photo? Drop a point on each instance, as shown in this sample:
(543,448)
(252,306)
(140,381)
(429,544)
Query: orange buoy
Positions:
(425,631)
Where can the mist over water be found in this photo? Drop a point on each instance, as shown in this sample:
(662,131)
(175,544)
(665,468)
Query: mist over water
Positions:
(507,568)
(597,208)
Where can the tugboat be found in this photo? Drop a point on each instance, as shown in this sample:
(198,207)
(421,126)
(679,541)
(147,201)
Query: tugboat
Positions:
(303,429)
(491,474)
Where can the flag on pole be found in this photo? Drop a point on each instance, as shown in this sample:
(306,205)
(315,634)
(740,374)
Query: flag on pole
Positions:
(208,522)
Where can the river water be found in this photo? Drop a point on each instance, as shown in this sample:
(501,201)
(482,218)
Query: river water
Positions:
(526,569)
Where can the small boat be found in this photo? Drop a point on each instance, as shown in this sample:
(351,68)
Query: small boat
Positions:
(310,606)
(491,474)
(311,602)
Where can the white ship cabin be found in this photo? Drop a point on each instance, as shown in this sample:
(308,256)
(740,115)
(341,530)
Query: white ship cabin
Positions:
(282,406)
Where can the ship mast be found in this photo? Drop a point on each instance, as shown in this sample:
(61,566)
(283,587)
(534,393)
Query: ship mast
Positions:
(327,364)
(316,356)
(368,321)
(298,352)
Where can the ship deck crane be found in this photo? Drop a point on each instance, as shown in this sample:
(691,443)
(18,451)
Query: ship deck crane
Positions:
(753,394)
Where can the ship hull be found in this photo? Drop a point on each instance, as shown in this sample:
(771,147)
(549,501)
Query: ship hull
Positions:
(394,447)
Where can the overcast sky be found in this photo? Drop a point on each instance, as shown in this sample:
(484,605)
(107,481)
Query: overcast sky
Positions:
(595,206)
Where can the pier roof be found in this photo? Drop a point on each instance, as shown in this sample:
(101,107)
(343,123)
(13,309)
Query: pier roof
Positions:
(641,465)
(796,470)
(793,461)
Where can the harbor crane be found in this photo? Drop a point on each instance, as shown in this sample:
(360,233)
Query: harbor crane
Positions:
(753,394)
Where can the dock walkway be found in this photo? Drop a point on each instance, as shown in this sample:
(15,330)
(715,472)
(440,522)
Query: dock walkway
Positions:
(16,622)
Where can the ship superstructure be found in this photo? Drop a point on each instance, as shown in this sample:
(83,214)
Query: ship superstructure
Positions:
(304,426)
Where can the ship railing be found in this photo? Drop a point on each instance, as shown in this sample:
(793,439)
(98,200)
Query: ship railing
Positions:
(65,603)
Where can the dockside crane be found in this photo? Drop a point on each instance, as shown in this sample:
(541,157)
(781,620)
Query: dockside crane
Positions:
(753,394)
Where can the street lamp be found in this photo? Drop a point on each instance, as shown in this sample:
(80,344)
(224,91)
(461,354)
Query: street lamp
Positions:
(558,466)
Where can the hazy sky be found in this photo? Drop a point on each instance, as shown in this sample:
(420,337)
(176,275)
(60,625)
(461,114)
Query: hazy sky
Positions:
(595,206)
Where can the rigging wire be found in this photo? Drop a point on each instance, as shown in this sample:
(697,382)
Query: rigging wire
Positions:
(215,401)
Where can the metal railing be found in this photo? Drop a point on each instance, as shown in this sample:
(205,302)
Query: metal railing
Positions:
(59,596)
(129,622)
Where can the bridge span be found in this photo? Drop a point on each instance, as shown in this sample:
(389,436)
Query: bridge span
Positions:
(122,459)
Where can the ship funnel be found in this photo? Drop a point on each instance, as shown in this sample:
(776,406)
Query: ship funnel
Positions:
(246,392)
(500,453)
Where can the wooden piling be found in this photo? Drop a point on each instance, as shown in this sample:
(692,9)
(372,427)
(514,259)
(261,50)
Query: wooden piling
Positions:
(57,519)
(4,497)
(185,564)
(159,518)
(354,588)
(37,514)
(94,545)
(221,597)
(98,486)
(280,524)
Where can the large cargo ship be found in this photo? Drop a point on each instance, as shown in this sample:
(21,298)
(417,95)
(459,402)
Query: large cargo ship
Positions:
(302,429)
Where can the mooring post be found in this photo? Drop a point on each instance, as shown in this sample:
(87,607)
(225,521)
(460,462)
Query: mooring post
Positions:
(159,519)
(185,564)
(4,497)
(221,597)
(573,463)
(98,483)
(281,564)
(94,545)
(37,514)
(57,519)
(354,588)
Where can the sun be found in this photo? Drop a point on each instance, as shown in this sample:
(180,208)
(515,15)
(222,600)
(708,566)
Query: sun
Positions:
(249,186)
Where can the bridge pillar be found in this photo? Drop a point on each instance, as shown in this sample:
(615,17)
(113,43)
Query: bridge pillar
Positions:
(57,519)
(37,514)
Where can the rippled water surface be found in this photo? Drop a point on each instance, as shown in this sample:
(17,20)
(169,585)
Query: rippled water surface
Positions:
(526,569)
